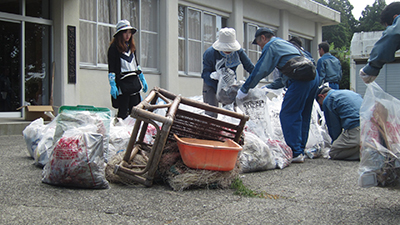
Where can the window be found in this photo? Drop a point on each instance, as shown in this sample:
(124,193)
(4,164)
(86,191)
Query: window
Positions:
(253,51)
(97,26)
(26,54)
(197,32)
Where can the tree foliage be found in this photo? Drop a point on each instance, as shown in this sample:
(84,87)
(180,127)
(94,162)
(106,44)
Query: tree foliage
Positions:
(370,17)
(342,33)
(343,54)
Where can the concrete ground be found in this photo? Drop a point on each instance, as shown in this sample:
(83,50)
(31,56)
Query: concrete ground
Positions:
(319,191)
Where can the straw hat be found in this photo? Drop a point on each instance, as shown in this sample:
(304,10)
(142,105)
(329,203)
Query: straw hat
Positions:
(124,25)
(227,41)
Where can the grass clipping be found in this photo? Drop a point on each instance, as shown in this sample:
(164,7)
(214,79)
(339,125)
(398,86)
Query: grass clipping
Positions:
(242,190)
(174,172)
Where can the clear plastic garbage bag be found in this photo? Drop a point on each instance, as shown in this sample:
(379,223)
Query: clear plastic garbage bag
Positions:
(380,136)
(77,160)
(256,155)
(228,86)
(256,107)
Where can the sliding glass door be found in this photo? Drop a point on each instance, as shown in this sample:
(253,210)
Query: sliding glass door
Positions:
(10,66)
(25,55)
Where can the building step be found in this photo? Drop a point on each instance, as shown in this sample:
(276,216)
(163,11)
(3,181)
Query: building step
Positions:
(12,126)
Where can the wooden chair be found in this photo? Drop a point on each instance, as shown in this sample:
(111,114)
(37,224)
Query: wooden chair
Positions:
(178,120)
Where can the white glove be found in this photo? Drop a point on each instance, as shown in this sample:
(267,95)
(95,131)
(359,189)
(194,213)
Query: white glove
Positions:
(366,78)
(214,75)
(240,95)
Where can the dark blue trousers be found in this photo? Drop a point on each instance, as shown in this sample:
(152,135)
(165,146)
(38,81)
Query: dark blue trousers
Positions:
(296,111)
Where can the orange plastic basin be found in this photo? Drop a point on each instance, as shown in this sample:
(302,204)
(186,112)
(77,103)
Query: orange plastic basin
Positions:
(208,154)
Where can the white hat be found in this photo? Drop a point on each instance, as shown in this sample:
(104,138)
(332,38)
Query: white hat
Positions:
(227,41)
(124,25)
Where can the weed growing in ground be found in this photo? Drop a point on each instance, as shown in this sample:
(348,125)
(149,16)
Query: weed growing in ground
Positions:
(242,190)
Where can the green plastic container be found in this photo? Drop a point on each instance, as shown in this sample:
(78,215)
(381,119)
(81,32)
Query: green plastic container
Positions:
(66,108)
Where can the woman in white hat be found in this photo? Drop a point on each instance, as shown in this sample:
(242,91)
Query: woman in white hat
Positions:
(228,49)
(124,72)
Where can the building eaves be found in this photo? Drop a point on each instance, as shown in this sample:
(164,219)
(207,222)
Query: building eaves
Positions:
(308,9)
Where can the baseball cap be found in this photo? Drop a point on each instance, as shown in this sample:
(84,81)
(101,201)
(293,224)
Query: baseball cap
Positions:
(262,30)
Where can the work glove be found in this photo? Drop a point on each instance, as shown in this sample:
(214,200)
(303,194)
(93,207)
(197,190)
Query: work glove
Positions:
(366,78)
(240,95)
(141,77)
(114,89)
(144,83)
(214,75)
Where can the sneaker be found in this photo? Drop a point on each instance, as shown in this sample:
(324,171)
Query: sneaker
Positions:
(298,159)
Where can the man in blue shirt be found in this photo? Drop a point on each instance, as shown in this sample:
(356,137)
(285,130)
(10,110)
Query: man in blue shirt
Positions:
(297,104)
(328,67)
(342,115)
(386,47)
(226,51)
(277,82)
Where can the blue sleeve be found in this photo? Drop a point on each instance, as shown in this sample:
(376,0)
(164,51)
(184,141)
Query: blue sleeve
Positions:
(341,110)
(264,66)
(332,119)
(247,64)
(276,84)
(348,104)
(384,49)
(208,68)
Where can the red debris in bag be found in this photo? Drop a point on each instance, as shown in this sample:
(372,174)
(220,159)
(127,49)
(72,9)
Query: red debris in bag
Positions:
(77,161)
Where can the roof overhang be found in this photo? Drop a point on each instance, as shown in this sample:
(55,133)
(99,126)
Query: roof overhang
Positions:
(308,9)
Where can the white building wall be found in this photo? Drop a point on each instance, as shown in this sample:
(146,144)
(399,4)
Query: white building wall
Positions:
(169,54)
(58,49)
(301,26)
(66,13)
(316,40)
(261,13)
(71,92)
(92,86)
(220,5)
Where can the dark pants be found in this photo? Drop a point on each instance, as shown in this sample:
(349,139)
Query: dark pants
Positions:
(295,113)
(209,97)
(126,103)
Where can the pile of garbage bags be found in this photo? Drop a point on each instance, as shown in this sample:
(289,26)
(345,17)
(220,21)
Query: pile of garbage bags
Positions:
(265,147)
(74,148)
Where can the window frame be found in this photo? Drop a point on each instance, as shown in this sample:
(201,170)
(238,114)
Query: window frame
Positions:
(140,33)
(138,37)
(186,39)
